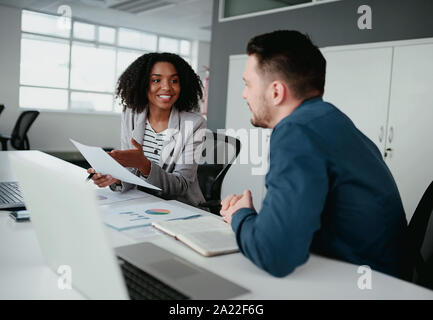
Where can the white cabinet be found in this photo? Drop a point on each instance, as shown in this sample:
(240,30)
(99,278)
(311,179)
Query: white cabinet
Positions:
(387,91)
(410,123)
(357,82)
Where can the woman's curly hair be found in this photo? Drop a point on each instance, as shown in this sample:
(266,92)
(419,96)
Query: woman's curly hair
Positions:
(133,84)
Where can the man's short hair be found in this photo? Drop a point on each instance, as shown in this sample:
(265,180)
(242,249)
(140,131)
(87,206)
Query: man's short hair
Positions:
(293,56)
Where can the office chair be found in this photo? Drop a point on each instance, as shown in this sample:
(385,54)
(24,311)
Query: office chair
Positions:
(219,152)
(421,240)
(19,139)
(2,107)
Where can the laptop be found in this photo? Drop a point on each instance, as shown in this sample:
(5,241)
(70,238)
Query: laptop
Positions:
(66,217)
(10,196)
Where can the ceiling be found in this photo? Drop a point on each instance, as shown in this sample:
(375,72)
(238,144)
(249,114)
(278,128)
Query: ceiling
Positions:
(190,19)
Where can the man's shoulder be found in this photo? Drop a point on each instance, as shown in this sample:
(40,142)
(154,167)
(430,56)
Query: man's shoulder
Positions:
(314,124)
(317,116)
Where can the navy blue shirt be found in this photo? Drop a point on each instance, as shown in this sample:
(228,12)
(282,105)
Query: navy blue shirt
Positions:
(328,191)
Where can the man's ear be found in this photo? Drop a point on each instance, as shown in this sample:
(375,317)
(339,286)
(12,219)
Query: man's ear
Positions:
(279,92)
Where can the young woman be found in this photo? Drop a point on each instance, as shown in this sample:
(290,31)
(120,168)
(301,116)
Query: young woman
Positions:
(161,134)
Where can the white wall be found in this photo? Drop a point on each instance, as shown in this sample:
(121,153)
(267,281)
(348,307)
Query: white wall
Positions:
(52,130)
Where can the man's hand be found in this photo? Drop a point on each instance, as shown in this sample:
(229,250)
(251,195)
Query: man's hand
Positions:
(233,203)
(132,158)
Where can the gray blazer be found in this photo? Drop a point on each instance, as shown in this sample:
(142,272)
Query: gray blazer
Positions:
(176,173)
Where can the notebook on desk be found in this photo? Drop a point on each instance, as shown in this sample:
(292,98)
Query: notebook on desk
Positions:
(67,219)
(209,236)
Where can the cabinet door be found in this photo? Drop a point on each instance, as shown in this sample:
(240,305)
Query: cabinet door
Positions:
(357,82)
(247,172)
(410,122)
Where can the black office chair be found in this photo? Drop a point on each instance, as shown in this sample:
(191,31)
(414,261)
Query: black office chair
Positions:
(421,240)
(219,152)
(19,139)
(2,107)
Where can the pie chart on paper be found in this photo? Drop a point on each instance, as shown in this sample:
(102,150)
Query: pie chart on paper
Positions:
(157,211)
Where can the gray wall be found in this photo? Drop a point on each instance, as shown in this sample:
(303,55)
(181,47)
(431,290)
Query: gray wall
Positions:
(328,24)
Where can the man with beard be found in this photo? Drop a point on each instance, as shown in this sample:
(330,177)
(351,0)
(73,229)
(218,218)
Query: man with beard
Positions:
(328,189)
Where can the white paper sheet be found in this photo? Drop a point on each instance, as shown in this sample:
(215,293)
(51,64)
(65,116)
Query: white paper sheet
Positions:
(139,215)
(141,233)
(103,163)
(107,196)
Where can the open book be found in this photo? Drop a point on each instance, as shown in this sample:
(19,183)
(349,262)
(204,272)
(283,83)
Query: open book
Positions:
(209,236)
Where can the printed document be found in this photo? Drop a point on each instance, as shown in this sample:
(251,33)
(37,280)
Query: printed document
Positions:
(107,196)
(105,164)
(139,215)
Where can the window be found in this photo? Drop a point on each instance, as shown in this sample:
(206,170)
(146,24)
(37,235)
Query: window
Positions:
(44,61)
(124,58)
(84,31)
(74,65)
(168,45)
(44,23)
(107,35)
(137,39)
(185,47)
(92,67)
(43,98)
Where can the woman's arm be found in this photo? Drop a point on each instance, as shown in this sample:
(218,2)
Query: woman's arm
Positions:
(124,186)
(185,172)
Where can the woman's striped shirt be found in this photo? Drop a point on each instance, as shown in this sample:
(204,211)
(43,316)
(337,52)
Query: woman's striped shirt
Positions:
(152,143)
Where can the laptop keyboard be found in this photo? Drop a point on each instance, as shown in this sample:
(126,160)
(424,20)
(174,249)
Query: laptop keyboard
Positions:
(143,286)
(10,194)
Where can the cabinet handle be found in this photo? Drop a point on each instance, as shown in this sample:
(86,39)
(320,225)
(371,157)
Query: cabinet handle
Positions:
(391,134)
(388,151)
(381,134)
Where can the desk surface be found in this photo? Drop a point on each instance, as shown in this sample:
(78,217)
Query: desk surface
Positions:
(24,275)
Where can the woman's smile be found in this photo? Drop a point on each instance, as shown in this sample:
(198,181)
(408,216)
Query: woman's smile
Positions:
(165,97)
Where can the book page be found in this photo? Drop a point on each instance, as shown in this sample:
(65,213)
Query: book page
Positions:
(207,235)
(212,241)
(193,225)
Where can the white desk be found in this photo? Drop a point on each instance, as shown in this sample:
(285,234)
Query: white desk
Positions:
(23,274)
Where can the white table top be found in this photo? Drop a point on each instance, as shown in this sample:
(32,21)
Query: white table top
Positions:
(24,275)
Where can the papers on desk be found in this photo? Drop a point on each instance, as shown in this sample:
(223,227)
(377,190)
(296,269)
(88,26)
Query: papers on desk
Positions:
(139,215)
(107,196)
(105,164)
(141,234)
